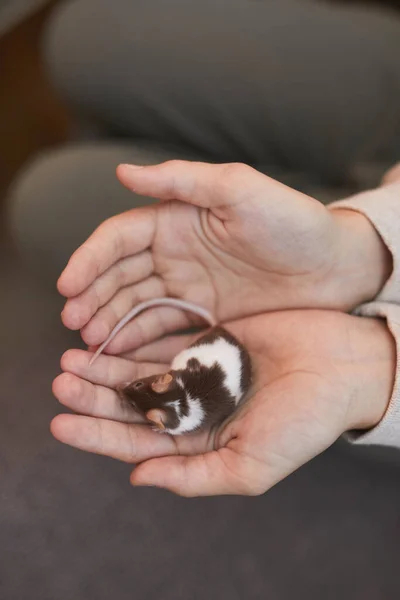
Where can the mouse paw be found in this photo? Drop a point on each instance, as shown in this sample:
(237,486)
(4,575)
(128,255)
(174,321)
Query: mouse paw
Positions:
(157,429)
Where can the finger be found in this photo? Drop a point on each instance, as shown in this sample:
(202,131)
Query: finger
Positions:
(92,400)
(108,371)
(201,184)
(129,443)
(189,476)
(132,270)
(163,350)
(121,236)
(100,326)
(144,329)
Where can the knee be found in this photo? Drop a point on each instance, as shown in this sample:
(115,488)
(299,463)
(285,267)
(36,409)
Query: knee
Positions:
(63,195)
(35,207)
(57,201)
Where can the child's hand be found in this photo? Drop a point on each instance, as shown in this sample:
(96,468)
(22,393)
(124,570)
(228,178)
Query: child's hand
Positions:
(225,237)
(317,374)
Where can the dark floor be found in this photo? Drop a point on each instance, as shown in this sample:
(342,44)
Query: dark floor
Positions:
(71,528)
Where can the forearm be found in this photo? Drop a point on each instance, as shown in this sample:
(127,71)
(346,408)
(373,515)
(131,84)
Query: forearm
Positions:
(369,244)
(373,249)
(382,396)
(364,262)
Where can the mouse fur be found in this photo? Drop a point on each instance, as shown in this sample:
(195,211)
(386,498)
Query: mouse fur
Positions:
(203,387)
(205,383)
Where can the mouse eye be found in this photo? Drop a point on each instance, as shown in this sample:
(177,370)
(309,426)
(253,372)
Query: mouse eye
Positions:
(138,385)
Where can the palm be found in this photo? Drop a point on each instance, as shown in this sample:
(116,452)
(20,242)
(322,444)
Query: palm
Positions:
(292,415)
(224,243)
(204,257)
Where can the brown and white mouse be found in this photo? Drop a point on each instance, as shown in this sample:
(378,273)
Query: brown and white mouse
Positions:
(204,385)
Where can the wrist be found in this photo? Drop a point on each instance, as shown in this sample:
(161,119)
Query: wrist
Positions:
(373,367)
(362,261)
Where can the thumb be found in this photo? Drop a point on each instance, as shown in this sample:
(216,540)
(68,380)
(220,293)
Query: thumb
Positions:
(201,184)
(190,476)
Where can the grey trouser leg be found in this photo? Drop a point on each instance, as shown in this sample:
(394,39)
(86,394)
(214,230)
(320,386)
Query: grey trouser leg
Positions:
(279,83)
(307,86)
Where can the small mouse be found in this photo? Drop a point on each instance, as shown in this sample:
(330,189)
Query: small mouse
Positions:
(204,385)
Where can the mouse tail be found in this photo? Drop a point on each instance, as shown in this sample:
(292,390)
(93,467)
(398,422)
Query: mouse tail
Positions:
(171,302)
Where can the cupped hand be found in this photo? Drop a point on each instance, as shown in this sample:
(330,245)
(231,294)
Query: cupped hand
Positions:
(317,375)
(225,237)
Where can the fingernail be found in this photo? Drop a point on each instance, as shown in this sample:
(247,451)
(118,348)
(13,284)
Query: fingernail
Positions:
(143,483)
(132,167)
(148,485)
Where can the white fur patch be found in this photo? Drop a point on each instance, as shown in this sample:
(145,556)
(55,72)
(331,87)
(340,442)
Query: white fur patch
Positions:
(192,420)
(225,354)
(176,405)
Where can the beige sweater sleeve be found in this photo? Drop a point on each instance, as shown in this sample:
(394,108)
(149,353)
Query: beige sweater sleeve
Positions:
(382,208)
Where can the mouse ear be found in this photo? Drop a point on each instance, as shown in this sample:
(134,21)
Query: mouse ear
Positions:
(157,417)
(162,383)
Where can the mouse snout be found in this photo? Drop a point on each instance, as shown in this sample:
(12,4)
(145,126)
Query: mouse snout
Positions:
(124,390)
(138,385)
(132,390)
(129,385)
(121,387)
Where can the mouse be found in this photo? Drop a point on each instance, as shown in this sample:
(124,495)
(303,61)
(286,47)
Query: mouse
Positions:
(204,385)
